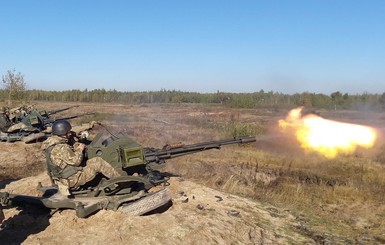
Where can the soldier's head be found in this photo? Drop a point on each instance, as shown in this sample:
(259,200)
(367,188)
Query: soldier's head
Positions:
(61,128)
(4,110)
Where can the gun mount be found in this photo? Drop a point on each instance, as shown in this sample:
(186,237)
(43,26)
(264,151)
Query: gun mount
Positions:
(131,192)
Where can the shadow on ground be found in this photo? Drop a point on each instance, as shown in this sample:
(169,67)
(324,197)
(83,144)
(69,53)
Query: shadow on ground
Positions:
(30,220)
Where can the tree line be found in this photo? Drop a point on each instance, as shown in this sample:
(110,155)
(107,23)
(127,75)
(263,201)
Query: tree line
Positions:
(260,99)
(14,88)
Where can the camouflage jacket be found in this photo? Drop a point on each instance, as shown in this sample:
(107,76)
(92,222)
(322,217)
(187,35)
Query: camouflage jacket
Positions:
(62,152)
(5,123)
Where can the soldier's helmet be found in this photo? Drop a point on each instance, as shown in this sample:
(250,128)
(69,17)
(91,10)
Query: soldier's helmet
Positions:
(3,110)
(61,127)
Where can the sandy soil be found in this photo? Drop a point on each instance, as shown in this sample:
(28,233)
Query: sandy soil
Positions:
(198,215)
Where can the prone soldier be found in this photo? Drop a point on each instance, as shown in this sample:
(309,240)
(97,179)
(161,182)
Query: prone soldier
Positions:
(16,114)
(6,124)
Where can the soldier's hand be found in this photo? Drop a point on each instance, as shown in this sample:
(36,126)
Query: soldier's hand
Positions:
(93,123)
(81,146)
(84,134)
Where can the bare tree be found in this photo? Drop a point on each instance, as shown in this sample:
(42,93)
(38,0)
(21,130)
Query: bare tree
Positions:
(14,85)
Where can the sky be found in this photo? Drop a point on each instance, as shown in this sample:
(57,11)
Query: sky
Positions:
(287,46)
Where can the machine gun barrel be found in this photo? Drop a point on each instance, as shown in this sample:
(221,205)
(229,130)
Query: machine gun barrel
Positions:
(60,110)
(167,152)
(50,122)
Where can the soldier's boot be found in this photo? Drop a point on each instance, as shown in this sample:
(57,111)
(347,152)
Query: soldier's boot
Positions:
(63,189)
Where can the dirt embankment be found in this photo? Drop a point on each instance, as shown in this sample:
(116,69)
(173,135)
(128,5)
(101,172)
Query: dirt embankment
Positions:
(199,215)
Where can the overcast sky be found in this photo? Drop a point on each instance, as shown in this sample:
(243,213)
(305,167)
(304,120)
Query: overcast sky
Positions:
(319,46)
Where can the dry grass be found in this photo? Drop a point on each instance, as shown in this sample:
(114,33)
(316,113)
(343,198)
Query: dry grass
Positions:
(336,197)
(339,200)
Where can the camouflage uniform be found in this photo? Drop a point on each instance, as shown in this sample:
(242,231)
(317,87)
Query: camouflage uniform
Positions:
(16,114)
(63,154)
(5,123)
(16,127)
(1,214)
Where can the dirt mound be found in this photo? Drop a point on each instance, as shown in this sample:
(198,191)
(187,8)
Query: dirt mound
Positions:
(20,160)
(198,215)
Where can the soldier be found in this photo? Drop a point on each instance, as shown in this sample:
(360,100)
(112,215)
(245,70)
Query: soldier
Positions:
(17,114)
(1,214)
(5,123)
(65,160)
(15,127)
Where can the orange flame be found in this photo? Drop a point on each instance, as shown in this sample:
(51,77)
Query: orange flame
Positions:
(327,137)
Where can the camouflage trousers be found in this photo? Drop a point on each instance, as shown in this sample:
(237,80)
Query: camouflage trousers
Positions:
(16,127)
(93,167)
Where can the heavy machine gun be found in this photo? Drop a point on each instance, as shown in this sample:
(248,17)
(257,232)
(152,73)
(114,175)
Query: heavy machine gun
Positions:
(35,127)
(42,119)
(131,191)
(19,114)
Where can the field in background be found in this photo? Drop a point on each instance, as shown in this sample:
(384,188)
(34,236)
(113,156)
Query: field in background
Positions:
(340,200)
